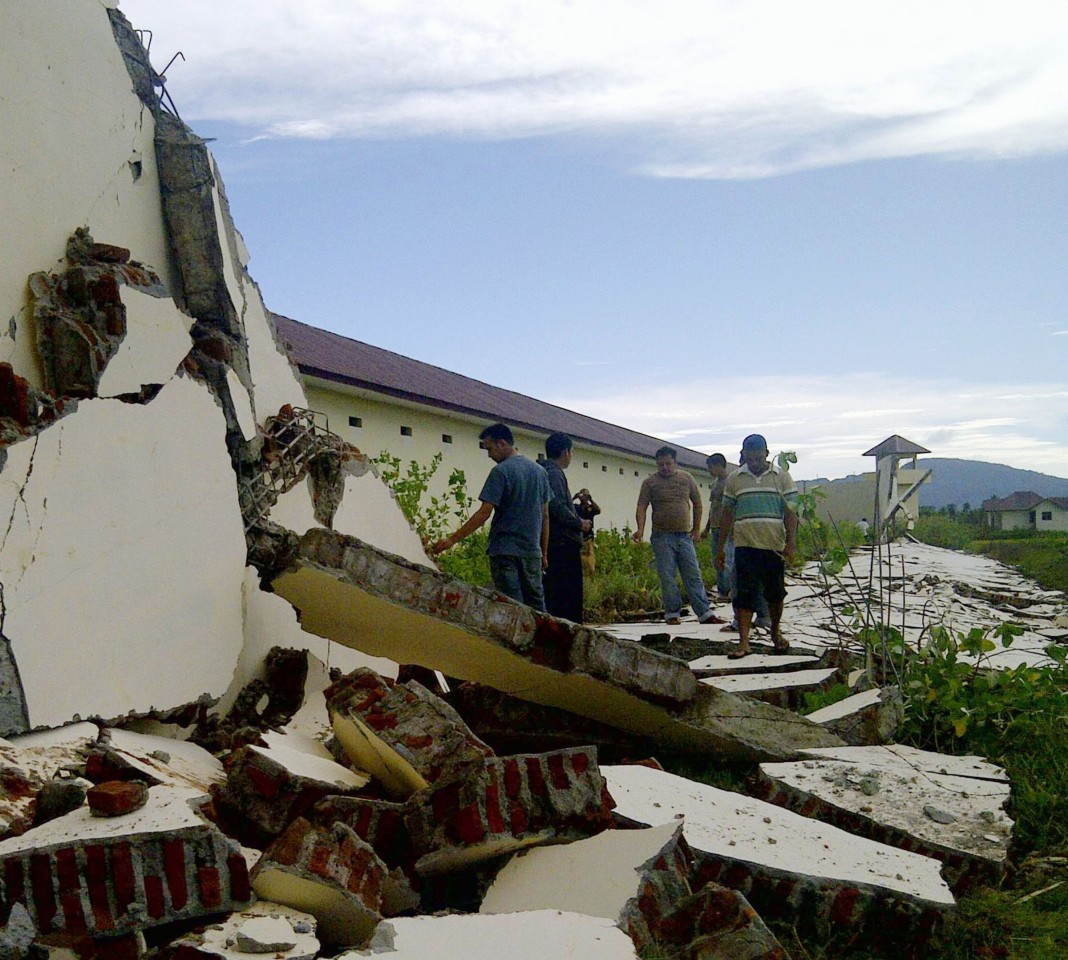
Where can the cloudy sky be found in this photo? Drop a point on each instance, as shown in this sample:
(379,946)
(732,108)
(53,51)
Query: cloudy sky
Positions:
(828,221)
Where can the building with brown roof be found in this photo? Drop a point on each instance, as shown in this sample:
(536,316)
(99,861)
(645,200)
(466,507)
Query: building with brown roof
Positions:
(1025,510)
(381,401)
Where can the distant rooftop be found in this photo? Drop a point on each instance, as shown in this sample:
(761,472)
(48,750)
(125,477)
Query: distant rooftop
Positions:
(330,356)
(1022,500)
(896,445)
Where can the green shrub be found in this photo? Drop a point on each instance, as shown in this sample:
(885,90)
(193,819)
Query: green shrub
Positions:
(940,530)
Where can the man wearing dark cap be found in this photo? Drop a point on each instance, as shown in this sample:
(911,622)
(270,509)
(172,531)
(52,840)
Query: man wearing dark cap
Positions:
(759,502)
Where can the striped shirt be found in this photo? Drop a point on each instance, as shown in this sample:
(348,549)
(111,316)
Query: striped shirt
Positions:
(759,505)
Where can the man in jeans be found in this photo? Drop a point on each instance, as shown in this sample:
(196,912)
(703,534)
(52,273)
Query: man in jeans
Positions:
(517,494)
(676,504)
(717,470)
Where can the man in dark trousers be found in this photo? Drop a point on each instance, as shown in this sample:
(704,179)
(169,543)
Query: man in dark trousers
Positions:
(563,577)
(516,493)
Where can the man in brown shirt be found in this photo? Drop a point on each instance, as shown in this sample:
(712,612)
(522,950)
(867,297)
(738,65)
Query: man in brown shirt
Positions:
(676,504)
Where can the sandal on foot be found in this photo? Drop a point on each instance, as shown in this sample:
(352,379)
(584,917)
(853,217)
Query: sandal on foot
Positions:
(781,649)
(672,621)
(738,654)
(729,628)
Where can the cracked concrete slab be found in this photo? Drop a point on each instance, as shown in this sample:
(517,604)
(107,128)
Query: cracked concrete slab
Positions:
(788,866)
(609,875)
(113,875)
(345,589)
(950,808)
(558,935)
(262,928)
(165,760)
(870,717)
(156,341)
(158,617)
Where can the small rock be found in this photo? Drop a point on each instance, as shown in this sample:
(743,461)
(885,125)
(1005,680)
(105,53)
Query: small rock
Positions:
(265,935)
(57,798)
(939,815)
(987,816)
(161,755)
(113,798)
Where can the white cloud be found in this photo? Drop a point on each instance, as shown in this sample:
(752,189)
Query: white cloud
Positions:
(1023,426)
(712,88)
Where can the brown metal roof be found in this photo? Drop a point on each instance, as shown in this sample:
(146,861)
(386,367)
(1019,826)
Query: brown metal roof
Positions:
(895,445)
(1020,500)
(330,356)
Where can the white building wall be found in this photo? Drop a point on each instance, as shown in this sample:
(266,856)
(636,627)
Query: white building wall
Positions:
(613,478)
(1058,517)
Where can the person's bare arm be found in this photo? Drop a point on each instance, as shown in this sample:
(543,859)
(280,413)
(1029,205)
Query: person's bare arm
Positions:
(473,522)
(698,509)
(726,528)
(545,536)
(639,521)
(790,522)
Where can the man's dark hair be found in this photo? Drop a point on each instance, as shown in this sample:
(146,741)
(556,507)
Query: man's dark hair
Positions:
(497,431)
(716,460)
(556,444)
(666,452)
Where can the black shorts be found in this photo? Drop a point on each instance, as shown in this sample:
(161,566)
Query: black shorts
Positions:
(759,569)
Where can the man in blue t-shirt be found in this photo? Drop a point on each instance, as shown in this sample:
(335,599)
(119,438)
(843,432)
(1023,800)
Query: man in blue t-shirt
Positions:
(517,494)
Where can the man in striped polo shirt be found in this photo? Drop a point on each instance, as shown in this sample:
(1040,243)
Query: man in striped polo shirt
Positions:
(759,501)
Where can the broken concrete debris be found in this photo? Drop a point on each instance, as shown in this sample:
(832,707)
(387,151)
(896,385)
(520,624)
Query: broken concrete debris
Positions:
(143,395)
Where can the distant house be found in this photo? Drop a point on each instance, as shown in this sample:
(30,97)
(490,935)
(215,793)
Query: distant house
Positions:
(1024,510)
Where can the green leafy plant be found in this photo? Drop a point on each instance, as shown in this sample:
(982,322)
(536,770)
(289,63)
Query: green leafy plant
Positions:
(434,517)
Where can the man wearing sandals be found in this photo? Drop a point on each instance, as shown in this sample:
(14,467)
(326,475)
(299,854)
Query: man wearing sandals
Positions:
(759,501)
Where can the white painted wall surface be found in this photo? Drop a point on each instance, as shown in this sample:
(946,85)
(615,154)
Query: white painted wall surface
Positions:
(1058,517)
(123,560)
(71,127)
(592,467)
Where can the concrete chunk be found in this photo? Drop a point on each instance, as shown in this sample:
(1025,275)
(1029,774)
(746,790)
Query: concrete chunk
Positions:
(864,719)
(633,877)
(506,805)
(264,927)
(550,934)
(787,866)
(271,786)
(881,793)
(328,872)
(404,736)
(345,589)
(108,876)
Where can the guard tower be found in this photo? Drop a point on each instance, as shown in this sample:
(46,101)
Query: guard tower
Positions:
(892,492)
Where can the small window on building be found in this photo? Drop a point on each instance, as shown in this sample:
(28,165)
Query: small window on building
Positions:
(585,465)
(1031,517)
(355,421)
(446,438)
(1047,514)
(406,431)
(621,471)
(635,473)
(604,469)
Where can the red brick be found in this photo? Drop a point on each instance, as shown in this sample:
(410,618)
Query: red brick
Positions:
(445,801)
(70,894)
(319,861)
(493,809)
(469,824)
(240,888)
(209,886)
(122,873)
(263,783)
(557,773)
(580,763)
(154,897)
(114,798)
(14,881)
(174,871)
(535,777)
(844,904)
(96,882)
(513,782)
(363,823)
(44,900)
(518,820)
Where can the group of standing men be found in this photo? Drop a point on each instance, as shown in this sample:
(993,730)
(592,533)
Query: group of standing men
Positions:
(536,535)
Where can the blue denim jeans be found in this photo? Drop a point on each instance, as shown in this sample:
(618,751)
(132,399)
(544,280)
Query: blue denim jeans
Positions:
(675,552)
(519,578)
(723,578)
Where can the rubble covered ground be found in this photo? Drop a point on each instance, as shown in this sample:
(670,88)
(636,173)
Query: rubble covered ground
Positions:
(244,714)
